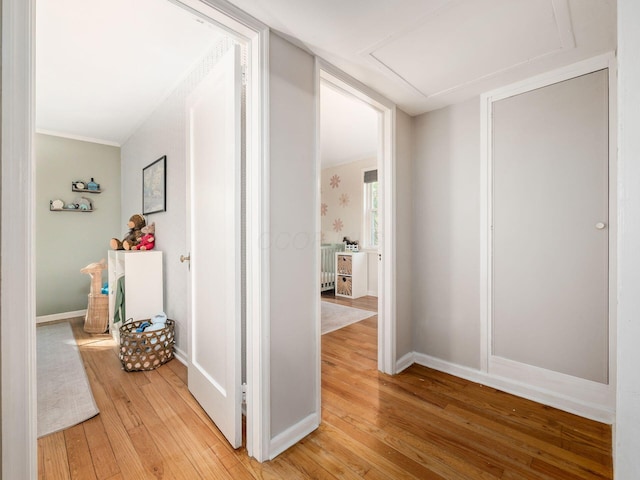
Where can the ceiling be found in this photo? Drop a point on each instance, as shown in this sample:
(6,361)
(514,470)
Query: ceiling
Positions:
(425,54)
(348,128)
(102,67)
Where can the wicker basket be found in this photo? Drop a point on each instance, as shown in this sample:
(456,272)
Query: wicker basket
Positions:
(97,318)
(344,264)
(343,286)
(145,350)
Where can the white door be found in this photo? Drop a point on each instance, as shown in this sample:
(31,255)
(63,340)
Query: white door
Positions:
(550,228)
(214,222)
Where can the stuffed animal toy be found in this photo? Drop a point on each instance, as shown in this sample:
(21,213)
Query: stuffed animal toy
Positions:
(147,242)
(136,224)
(148,239)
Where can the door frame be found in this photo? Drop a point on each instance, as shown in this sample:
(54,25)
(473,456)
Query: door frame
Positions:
(326,72)
(583,397)
(17,297)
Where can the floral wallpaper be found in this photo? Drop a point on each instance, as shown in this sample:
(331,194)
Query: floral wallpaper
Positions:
(341,200)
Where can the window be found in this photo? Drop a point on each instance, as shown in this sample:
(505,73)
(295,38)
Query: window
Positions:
(370,233)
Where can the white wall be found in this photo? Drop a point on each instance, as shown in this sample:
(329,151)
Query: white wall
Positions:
(445,276)
(627,426)
(293,236)
(68,241)
(164,133)
(404,239)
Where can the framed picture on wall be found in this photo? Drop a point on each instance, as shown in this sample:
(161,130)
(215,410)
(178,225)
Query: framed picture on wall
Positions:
(154,187)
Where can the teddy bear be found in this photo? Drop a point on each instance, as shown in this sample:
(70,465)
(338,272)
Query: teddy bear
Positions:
(147,241)
(136,224)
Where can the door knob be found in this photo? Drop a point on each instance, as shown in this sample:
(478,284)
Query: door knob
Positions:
(185,259)
(600,225)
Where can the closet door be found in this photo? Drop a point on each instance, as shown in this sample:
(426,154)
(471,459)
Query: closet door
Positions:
(214,220)
(550,247)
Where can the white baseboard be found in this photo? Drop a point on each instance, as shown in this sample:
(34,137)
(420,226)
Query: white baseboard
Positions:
(60,316)
(292,435)
(180,355)
(372,293)
(574,405)
(405,361)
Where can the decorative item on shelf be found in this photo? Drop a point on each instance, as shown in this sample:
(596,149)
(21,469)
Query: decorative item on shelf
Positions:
(350,246)
(79,204)
(88,187)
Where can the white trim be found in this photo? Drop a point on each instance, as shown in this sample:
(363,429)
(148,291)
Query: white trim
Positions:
(60,316)
(318,242)
(17,295)
(80,138)
(570,404)
(258,267)
(293,435)
(405,361)
(386,167)
(181,356)
(599,403)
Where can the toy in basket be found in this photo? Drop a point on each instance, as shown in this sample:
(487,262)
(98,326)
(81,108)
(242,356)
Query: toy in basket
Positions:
(146,344)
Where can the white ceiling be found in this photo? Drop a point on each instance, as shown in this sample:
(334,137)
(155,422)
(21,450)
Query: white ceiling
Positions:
(348,128)
(425,54)
(103,66)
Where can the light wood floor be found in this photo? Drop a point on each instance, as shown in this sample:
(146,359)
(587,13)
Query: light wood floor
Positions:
(420,424)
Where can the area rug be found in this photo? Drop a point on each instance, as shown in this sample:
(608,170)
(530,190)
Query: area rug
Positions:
(64,393)
(335,316)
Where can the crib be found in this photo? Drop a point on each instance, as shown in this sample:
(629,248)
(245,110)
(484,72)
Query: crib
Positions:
(328,265)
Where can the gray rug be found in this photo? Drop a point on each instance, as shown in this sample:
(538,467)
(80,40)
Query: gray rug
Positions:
(335,316)
(64,393)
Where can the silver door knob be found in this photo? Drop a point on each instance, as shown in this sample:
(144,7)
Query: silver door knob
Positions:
(600,225)
(185,259)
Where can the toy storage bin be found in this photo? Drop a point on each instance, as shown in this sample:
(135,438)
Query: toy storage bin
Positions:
(97,318)
(344,286)
(145,350)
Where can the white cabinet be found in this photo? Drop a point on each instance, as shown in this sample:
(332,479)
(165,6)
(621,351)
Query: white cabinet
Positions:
(143,284)
(351,274)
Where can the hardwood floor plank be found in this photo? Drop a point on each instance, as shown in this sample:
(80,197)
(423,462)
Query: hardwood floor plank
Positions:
(102,457)
(79,455)
(55,462)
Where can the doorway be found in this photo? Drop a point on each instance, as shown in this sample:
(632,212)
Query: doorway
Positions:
(337,80)
(18,338)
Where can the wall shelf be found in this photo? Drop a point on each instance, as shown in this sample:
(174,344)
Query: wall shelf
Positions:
(69,210)
(85,190)
(84,186)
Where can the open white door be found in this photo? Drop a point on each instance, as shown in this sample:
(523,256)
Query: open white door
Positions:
(214,221)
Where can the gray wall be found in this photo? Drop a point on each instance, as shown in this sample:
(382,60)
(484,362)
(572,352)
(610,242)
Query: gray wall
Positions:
(627,427)
(164,133)
(293,296)
(66,242)
(446,234)
(404,240)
